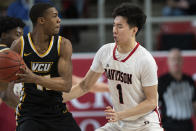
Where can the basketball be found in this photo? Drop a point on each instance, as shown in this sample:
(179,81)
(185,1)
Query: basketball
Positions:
(10,63)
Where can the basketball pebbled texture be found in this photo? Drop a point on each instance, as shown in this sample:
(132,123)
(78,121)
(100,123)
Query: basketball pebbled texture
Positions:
(10,63)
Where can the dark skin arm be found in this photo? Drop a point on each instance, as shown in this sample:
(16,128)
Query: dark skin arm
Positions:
(10,98)
(3,85)
(62,83)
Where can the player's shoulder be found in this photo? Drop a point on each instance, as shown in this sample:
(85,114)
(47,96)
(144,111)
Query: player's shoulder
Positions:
(143,51)
(107,47)
(17,44)
(65,46)
(64,41)
(144,54)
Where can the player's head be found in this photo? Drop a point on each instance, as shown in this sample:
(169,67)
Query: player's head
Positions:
(10,29)
(128,21)
(46,16)
(175,61)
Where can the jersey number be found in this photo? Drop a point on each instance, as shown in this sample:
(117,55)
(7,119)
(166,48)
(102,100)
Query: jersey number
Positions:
(39,87)
(119,88)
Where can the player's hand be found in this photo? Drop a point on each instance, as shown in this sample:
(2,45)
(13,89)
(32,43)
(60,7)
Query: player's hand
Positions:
(111,115)
(27,76)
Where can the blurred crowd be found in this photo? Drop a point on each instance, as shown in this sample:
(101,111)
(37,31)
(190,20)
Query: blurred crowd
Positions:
(71,9)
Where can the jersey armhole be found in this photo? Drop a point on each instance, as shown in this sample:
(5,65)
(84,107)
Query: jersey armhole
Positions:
(22,46)
(59,45)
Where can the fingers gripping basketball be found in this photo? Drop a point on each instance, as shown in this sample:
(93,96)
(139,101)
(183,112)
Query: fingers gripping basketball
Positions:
(10,63)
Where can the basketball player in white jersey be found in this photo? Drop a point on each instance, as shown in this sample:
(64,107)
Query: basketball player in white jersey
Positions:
(132,76)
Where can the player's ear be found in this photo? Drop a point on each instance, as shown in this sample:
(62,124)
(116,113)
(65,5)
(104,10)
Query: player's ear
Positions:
(135,30)
(41,20)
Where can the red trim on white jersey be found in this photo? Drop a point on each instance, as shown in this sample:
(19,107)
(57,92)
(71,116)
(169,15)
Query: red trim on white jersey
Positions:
(156,110)
(127,56)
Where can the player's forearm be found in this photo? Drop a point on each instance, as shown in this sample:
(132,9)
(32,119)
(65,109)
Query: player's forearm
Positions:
(12,101)
(143,108)
(10,98)
(3,85)
(57,84)
(76,91)
(100,87)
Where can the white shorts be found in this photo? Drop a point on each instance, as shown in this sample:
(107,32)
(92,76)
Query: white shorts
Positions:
(116,126)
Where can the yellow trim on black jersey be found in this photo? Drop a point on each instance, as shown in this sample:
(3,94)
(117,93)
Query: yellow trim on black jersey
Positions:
(35,50)
(59,44)
(22,46)
(20,104)
(4,49)
(3,45)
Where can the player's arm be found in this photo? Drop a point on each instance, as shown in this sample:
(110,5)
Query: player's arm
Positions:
(16,46)
(149,104)
(83,87)
(3,85)
(98,86)
(146,106)
(9,97)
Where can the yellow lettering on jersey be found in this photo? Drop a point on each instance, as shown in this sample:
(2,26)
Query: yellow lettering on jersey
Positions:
(41,67)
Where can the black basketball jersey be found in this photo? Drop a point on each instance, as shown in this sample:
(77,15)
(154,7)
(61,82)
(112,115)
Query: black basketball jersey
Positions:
(3,47)
(38,101)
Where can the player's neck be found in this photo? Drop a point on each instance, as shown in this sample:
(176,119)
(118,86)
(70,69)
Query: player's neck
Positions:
(39,38)
(126,47)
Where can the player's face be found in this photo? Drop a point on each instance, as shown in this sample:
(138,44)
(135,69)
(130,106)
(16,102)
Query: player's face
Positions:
(13,35)
(52,21)
(122,32)
(175,61)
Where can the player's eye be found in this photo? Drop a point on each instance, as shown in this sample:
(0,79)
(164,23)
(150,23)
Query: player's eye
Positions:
(120,26)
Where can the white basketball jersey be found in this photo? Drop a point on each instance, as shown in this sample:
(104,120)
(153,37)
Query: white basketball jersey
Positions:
(127,77)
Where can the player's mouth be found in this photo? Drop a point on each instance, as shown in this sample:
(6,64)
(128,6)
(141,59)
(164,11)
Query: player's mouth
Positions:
(115,39)
(58,26)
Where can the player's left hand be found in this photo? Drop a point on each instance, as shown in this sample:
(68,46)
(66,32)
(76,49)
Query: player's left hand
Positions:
(111,115)
(27,76)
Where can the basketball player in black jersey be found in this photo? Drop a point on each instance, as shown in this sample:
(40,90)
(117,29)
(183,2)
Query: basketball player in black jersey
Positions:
(10,30)
(48,74)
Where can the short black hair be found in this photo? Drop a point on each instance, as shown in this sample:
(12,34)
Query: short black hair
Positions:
(8,23)
(38,11)
(134,15)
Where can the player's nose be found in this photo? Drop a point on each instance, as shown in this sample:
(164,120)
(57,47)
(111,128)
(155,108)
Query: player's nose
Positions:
(58,20)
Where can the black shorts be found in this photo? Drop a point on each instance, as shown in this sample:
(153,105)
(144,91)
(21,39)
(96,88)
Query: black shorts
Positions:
(64,124)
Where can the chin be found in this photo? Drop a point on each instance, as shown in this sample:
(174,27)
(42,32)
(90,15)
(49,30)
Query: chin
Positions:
(118,43)
(54,33)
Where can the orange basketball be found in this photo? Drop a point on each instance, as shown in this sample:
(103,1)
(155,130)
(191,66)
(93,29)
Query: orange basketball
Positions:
(10,63)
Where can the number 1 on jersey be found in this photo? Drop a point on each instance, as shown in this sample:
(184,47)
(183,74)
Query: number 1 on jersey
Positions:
(119,88)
